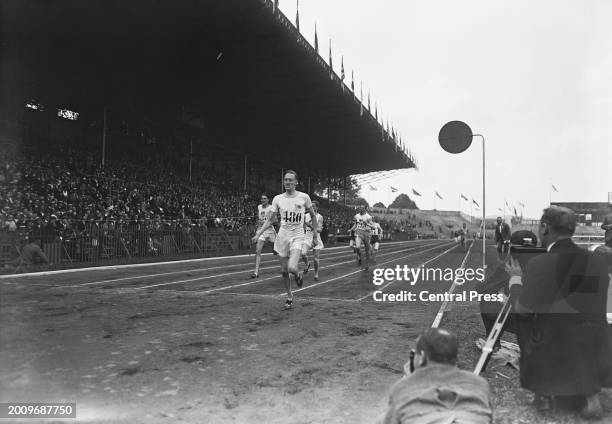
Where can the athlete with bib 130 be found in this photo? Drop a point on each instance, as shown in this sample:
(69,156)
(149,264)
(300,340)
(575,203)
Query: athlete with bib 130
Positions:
(292,206)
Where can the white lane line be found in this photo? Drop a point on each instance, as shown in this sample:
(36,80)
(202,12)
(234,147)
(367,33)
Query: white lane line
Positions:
(360,270)
(185,271)
(440,313)
(150,264)
(395,281)
(276,276)
(169,283)
(301,299)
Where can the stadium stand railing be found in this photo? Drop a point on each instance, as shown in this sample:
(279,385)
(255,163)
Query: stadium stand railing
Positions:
(96,243)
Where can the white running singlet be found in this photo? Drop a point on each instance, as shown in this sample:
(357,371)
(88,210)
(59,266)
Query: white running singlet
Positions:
(262,215)
(308,221)
(377,229)
(292,211)
(364,223)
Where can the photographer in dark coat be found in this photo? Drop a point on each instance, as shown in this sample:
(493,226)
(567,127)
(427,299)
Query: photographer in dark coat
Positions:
(564,339)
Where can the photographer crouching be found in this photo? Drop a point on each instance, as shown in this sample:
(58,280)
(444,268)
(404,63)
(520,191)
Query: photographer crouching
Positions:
(435,390)
(560,312)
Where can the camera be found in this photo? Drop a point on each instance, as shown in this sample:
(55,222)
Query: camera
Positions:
(525,241)
(519,248)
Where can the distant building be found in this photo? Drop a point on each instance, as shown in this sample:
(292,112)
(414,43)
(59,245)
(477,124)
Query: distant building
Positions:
(587,213)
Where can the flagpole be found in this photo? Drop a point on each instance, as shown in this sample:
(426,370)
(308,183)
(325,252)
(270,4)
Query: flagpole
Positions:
(471,210)
(550,195)
(484,263)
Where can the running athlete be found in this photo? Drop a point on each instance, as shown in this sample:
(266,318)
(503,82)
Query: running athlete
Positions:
(292,205)
(461,233)
(268,236)
(376,237)
(352,236)
(308,236)
(363,228)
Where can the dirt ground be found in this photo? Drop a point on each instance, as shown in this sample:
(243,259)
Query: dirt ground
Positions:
(165,356)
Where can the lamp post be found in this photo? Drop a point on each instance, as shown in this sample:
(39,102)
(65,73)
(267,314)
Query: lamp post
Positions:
(456,137)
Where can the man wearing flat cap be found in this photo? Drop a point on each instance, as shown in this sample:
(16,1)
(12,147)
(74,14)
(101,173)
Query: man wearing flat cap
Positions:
(435,390)
(566,352)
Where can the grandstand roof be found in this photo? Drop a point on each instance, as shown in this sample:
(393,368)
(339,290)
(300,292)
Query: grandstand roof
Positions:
(238,66)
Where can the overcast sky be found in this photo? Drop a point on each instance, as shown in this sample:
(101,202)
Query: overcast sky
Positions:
(535,77)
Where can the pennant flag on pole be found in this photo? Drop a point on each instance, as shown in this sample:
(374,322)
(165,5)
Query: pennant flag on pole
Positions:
(368,100)
(331,65)
(342,69)
(297,15)
(463,197)
(438,194)
(372,188)
(554,188)
(393,189)
(474,201)
(316,39)
(361,99)
(416,193)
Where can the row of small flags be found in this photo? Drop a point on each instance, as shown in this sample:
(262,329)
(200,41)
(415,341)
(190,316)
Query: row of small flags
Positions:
(512,207)
(416,193)
(390,131)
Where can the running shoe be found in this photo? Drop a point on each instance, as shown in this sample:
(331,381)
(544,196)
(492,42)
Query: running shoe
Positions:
(299,280)
(316,278)
(288,304)
(254,275)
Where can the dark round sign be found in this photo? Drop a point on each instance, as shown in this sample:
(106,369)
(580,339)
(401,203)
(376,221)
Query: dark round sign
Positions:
(455,137)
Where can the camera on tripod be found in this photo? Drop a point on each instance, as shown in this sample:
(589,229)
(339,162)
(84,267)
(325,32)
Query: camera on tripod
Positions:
(525,241)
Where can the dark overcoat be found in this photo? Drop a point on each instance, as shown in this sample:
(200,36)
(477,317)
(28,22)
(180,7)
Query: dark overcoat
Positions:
(565,342)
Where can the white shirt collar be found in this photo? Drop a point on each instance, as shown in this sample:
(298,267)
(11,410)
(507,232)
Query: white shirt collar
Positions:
(550,246)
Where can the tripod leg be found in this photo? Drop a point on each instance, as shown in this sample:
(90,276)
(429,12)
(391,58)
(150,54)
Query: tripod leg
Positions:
(487,349)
